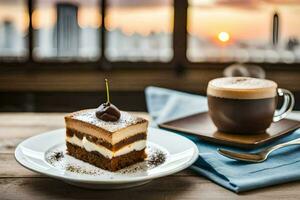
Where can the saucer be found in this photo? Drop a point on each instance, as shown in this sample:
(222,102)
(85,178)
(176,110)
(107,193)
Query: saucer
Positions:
(202,126)
(46,154)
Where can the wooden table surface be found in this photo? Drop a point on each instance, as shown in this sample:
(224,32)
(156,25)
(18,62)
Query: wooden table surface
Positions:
(17,182)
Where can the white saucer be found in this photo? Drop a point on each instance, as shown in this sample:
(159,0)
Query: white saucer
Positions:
(34,153)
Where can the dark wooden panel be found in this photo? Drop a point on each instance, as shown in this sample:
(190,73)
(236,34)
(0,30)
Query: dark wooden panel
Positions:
(126,80)
(68,101)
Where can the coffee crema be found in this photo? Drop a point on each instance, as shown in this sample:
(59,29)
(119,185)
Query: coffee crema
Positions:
(242,88)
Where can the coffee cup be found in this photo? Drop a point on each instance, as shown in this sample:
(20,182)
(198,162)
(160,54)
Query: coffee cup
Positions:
(245,105)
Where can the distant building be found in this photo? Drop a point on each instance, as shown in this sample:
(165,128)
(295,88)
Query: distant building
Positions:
(292,44)
(66,36)
(9,34)
(12,42)
(275,29)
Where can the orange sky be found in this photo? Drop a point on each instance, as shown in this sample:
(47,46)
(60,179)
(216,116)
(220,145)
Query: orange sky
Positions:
(240,23)
(16,13)
(142,20)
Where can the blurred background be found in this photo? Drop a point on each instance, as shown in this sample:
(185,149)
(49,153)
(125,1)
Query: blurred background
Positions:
(55,54)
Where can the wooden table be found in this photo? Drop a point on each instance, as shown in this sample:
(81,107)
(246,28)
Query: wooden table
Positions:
(17,182)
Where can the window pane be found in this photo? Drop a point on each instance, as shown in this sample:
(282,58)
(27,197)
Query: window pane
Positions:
(243,31)
(139,30)
(14,22)
(65,29)
(290,35)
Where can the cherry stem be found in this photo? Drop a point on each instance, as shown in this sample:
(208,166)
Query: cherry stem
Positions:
(107,92)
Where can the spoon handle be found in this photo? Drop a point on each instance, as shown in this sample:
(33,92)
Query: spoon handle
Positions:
(279,146)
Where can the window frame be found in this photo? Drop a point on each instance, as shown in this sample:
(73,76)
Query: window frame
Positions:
(179,61)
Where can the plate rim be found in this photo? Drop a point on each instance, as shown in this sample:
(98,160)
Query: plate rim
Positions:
(18,157)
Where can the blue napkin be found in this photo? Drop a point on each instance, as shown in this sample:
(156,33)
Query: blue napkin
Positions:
(282,166)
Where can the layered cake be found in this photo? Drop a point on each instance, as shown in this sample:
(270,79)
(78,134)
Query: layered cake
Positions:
(110,145)
(106,137)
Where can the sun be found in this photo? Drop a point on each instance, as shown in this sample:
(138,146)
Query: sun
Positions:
(224,37)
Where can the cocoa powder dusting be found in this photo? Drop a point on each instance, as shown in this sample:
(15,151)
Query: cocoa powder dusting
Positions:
(55,157)
(155,157)
(79,170)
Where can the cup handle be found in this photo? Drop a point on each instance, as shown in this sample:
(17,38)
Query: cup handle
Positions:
(287,106)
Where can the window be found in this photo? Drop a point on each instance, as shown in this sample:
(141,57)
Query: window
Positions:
(14,22)
(139,30)
(243,31)
(68,30)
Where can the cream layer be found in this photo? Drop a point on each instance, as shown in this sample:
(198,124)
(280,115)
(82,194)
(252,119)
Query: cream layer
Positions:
(112,138)
(89,146)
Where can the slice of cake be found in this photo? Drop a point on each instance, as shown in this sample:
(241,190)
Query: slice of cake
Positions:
(106,142)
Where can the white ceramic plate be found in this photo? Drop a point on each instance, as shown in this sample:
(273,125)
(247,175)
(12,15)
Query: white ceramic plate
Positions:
(36,154)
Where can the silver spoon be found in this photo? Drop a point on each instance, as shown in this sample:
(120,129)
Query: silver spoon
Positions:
(256,157)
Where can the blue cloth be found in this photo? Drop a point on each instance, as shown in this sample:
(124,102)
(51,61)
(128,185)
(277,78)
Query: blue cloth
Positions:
(282,166)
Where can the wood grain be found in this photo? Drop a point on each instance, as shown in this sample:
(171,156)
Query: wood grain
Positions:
(17,182)
(126,80)
(171,187)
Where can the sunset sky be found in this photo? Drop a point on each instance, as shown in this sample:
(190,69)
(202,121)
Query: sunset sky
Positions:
(242,19)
